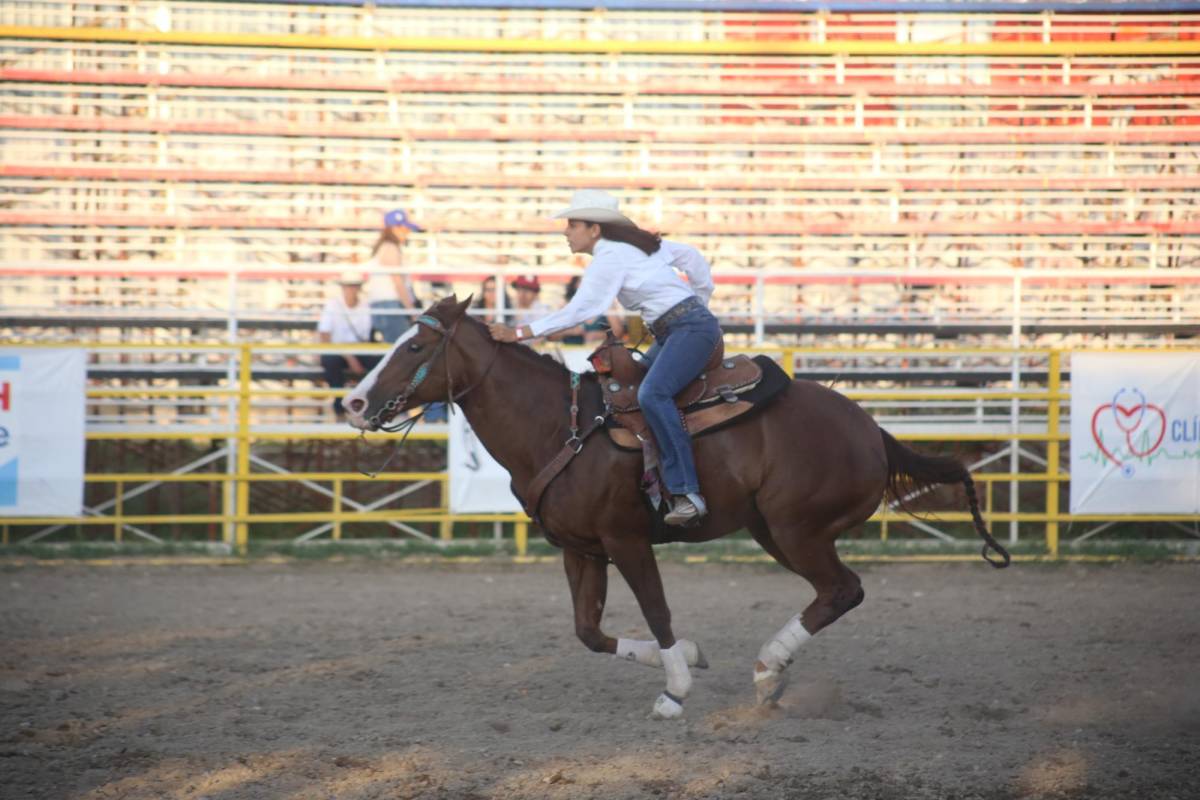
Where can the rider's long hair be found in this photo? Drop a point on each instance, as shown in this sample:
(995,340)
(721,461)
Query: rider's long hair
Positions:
(645,241)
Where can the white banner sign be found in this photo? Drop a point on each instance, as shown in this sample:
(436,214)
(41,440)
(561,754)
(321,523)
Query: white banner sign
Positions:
(1135,433)
(478,485)
(41,432)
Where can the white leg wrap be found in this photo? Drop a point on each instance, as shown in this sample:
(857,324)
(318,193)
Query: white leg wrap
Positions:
(645,651)
(692,651)
(779,651)
(639,650)
(679,679)
(666,708)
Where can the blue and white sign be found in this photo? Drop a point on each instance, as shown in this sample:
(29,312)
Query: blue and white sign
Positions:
(1135,433)
(41,432)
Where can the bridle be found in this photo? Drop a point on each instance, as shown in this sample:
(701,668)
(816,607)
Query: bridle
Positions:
(378,421)
(386,411)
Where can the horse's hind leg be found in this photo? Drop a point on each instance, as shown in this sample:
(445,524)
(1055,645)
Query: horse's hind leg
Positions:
(838,590)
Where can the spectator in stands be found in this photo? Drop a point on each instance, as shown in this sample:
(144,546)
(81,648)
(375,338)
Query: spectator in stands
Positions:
(528,307)
(486,299)
(394,304)
(638,269)
(346,319)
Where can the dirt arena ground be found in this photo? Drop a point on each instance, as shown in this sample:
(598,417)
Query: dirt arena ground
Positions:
(375,679)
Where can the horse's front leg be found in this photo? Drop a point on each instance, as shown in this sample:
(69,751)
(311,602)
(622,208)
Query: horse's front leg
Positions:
(588,578)
(635,559)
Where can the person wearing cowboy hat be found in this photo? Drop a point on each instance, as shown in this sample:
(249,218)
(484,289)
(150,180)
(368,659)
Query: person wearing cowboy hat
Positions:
(638,269)
(345,319)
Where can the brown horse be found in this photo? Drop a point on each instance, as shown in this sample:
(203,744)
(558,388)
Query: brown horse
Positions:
(809,466)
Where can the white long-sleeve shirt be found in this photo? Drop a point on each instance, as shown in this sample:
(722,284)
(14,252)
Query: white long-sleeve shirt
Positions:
(646,284)
(692,263)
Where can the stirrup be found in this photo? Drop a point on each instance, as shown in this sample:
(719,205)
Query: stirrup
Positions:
(687,510)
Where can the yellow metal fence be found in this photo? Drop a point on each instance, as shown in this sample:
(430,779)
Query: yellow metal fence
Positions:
(237,521)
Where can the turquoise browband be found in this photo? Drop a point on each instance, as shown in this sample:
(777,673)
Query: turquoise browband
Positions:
(432,322)
(423,371)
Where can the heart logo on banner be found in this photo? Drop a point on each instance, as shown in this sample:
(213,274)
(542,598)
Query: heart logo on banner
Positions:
(1133,420)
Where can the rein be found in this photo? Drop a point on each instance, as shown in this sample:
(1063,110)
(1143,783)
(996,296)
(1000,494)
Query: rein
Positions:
(571,448)
(378,421)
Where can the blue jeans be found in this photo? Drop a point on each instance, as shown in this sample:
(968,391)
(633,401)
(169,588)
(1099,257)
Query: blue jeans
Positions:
(675,361)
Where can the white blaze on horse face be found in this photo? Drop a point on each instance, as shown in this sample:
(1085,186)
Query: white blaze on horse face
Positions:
(364,386)
(783,646)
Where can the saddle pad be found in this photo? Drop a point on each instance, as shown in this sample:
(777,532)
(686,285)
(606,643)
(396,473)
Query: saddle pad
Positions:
(728,378)
(718,416)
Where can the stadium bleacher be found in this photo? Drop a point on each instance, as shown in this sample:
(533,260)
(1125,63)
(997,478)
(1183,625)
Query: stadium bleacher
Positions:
(911,176)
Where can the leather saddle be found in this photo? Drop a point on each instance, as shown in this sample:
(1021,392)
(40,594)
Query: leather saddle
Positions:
(712,399)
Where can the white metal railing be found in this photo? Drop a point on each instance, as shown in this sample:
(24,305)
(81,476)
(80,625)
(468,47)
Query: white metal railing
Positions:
(387,113)
(223,297)
(170,247)
(231,205)
(371,20)
(873,166)
(587,69)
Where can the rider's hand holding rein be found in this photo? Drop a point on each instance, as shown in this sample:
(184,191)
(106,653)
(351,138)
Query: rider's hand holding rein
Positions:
(503,333)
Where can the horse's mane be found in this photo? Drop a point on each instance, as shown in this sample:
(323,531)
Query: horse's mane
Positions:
(531,356)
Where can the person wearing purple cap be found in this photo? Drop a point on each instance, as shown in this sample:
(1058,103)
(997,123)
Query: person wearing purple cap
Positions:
(394,304)
(397,302)
(398,218)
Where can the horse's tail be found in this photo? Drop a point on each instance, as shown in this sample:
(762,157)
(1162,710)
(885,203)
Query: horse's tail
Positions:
(909,473)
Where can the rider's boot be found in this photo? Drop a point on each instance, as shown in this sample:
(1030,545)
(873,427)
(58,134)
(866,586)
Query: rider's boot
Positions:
(687,510)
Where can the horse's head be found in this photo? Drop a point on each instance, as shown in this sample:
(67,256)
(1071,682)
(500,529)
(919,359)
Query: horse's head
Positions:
(413,372)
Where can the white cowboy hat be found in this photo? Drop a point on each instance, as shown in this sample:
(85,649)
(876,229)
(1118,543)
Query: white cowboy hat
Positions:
(352,277)
(595,205)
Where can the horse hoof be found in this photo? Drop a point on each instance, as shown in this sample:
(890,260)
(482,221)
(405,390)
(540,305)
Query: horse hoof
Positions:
(666,708)
(695,658)
(769,686)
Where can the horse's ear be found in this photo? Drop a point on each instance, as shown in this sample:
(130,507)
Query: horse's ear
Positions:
(462,307)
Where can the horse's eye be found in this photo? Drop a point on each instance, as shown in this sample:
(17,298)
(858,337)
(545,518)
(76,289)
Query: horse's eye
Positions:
(415,347)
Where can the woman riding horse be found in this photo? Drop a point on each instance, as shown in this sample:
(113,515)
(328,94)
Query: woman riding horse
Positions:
(637,268)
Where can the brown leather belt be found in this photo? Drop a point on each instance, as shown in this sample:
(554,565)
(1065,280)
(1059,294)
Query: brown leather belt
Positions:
(661,326)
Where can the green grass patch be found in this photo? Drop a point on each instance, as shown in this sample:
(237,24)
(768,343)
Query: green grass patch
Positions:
(731,549)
